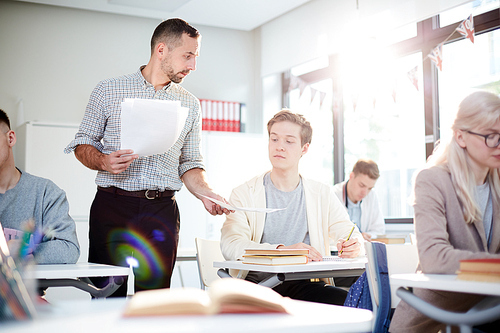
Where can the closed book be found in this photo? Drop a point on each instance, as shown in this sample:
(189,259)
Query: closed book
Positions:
(275,260)
(228,295)
(277,252)
(481,265)
(478,276)
(390,239)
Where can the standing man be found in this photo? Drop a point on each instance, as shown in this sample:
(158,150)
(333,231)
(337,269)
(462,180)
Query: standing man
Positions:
(361,203)
(134,216)
(313,216)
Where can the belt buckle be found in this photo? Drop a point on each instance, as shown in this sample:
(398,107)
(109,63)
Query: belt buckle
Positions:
(147,195)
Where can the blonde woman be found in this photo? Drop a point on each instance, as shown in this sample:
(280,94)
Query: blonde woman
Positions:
(457,207)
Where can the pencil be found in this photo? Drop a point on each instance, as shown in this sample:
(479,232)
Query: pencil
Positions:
(348,237)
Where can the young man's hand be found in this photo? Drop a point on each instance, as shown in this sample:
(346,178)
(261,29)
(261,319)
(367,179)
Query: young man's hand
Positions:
(349,249)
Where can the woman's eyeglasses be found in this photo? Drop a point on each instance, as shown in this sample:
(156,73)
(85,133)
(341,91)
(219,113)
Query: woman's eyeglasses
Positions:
(491,140)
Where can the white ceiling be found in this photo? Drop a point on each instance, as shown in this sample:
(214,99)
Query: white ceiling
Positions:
(232,14)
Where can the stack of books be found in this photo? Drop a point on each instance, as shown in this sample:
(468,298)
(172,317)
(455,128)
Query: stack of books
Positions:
(485,270)
(275,256)
(390,239)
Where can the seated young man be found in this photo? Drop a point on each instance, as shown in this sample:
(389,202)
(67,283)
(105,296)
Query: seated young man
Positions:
(35,203)
(312,217)
(359,199)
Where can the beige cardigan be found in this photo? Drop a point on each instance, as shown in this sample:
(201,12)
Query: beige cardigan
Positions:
(326,218)
(443,238)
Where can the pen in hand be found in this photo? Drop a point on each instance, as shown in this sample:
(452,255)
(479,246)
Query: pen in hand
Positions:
(348,237)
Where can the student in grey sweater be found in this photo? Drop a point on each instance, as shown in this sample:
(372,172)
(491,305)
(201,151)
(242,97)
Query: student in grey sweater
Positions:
(35,204)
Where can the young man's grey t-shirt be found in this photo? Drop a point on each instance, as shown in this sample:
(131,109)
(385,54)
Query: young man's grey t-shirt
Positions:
(288,226)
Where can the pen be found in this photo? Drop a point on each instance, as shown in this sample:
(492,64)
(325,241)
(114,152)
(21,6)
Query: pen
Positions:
(348,237)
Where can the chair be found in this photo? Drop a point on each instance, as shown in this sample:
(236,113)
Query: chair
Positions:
(208,251)
(401,258)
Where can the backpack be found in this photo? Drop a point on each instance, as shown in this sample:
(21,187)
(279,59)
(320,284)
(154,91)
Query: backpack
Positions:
(359,293)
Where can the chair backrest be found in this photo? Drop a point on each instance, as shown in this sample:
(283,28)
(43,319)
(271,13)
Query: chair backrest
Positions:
(401,258)
(208,251)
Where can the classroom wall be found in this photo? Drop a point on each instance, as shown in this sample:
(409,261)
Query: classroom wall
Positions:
(52,57)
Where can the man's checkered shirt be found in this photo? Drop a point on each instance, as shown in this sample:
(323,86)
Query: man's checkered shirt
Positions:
(100,128)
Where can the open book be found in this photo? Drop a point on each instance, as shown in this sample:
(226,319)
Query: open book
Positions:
(228,295)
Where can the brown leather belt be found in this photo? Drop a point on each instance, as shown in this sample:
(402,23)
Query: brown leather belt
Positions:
(148,194)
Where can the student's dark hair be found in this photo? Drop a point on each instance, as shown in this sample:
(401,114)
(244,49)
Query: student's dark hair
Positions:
(287,115)
(366,167)
(4,118)
(170,32)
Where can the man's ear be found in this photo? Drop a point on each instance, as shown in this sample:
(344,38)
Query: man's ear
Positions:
(305,149)
(161,50)
(352,175)
(459,138)
(12,138)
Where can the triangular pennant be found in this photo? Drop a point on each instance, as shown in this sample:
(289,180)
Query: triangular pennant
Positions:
(412,75)
(294,83)
(466,28)
(436,56)
(322,96)
(302,87)
(313,94)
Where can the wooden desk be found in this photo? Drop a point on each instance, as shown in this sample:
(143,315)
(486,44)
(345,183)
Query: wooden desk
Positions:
(76,275)
(315,269)
(104,315)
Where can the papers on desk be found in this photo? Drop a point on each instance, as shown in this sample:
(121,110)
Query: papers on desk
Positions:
(337,258)
(151,126)
(244,209)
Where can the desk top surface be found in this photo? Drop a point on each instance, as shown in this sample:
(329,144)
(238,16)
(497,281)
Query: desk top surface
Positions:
(104,315)
(446,282)
(81,269)
(314,266)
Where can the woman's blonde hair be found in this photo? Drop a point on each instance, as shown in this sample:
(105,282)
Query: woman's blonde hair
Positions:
(479,109)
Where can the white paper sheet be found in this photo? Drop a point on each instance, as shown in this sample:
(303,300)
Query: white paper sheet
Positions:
(151,126)
(227,206)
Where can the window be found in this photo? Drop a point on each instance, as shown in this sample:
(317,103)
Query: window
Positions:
(467,68)
(379,113)
(384,121)
(459,13)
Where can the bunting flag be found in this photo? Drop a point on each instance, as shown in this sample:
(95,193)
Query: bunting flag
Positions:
(412,75)
(322,96)
(313,94)
(302,87)
(294,83)
(466,28)
(436,56)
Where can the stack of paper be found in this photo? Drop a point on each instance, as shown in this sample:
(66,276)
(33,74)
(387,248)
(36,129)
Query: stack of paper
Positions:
(151,126)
